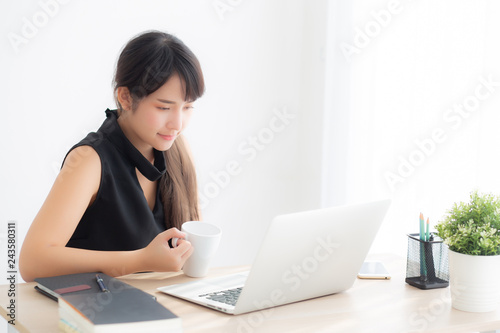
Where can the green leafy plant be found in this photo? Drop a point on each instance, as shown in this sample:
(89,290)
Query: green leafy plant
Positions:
(474,227)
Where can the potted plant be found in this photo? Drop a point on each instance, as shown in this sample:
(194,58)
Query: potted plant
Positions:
(472,232)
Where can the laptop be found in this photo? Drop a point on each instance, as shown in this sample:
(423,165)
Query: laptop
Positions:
(304,255)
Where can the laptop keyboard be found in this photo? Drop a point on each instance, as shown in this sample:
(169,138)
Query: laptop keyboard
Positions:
(229,296)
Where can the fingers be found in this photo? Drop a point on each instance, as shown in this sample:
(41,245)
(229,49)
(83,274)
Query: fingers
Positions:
(171,233)
(182,248)
(187,254)
(180,241)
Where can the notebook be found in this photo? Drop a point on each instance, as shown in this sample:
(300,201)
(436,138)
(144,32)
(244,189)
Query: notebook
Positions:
(130,310)
(304,255)
(84,307)
(82,283)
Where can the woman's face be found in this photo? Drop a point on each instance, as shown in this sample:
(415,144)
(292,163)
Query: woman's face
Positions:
(158,118)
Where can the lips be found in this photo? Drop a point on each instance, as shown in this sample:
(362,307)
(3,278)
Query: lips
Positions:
(167,137)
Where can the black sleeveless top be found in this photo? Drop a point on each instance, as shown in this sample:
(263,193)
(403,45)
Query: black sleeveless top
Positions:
(119,219)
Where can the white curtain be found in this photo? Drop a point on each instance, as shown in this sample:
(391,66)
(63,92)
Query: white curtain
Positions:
(417,115)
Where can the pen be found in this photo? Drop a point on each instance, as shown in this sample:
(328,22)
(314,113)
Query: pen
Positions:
(427,231)
(101,284)
(422,232)
(423,268)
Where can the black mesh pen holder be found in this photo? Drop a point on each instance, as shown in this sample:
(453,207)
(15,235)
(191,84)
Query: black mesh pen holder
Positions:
(427,262)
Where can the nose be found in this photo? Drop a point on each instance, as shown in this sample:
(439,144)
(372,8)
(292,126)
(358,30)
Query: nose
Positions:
(174,120)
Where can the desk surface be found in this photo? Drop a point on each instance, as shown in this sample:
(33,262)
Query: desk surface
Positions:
(369,306)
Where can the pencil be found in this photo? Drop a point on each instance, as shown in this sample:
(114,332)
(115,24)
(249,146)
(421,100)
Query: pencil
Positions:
(423,268)
(422,236)
(427,238)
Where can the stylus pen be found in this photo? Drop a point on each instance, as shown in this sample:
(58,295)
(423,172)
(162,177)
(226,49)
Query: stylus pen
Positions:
(101,284)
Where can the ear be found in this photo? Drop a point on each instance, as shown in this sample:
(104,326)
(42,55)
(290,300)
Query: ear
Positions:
(124,98)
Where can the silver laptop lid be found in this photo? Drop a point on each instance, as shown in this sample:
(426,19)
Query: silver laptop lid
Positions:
(310,254)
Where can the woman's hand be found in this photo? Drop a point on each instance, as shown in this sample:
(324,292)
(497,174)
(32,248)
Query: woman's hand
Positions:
(160,257)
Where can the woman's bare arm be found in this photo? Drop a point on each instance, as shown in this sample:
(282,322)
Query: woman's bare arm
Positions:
(44,253)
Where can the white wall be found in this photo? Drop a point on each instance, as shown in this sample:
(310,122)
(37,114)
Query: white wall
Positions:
(260,58)
(412,65)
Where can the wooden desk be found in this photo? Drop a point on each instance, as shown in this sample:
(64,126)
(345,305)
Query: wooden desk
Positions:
(369,306)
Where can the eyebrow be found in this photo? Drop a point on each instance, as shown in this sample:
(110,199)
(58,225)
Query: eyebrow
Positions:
(165,101)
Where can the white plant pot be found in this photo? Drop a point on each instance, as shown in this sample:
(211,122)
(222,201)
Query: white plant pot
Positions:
(474,282)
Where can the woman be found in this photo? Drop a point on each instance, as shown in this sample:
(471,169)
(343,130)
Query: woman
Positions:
(124,191)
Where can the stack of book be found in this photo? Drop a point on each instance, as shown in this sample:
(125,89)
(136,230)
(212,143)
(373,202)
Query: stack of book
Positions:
(96,302)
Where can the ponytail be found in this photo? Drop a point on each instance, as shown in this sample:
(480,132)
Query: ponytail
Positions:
(178,187)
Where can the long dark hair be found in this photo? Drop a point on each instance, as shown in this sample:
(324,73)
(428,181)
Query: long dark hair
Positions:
(144,65)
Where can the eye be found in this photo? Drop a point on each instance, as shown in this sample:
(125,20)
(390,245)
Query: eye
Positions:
(162,108)
(188,107)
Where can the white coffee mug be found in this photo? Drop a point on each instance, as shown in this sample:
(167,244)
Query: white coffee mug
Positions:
(205,238)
